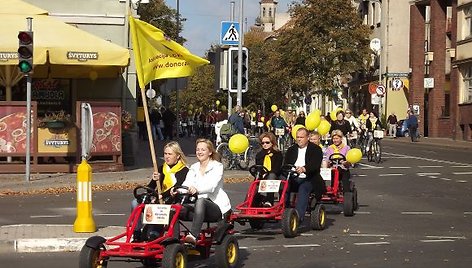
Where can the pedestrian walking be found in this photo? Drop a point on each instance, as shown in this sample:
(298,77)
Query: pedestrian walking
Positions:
(392,125)
(169,119)
(412,124)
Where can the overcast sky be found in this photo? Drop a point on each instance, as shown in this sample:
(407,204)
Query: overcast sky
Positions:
(203,25)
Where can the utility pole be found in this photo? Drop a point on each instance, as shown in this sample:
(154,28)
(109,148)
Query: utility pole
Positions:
(230,99)
(240,55)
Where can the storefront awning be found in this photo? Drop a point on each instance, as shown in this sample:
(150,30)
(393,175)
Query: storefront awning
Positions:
(20,7)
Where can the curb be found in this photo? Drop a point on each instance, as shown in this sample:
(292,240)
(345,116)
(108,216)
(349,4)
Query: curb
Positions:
(48,245)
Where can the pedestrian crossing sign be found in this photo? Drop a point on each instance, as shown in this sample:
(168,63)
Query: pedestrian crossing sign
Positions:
(229,33)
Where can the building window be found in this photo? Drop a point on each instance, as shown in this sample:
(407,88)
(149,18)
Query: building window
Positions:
(270,12)
(468,22)
(467,92)
(263,12)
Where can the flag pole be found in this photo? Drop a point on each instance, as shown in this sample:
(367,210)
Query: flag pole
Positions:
(151,140)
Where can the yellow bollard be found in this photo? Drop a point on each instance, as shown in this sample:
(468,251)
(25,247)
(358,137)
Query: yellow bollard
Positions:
(84,222)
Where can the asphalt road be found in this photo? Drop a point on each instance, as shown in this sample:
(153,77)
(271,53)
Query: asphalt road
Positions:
(415,211)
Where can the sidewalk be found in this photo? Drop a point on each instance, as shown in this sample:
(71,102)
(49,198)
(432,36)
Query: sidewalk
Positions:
(53,238)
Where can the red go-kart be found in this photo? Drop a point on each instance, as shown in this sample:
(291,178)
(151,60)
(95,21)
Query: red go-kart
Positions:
(257,215)
(161,241)
(334,189)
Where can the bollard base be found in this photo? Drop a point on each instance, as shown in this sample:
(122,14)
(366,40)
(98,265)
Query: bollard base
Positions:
(84,225)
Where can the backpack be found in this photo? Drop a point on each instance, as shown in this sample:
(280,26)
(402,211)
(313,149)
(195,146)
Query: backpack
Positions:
(228,129)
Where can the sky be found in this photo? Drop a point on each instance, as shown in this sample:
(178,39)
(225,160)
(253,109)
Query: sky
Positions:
(204,17)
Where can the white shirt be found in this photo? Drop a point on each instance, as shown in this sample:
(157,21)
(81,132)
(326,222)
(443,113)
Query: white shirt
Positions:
(210,184)
(301,160)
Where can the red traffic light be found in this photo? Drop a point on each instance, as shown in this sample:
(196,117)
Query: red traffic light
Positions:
(25,37)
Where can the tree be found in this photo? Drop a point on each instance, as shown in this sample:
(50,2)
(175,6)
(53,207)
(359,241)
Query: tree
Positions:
(325,41)
(157,13)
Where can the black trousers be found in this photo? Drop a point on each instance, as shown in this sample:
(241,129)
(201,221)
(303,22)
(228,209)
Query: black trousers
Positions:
(203,210)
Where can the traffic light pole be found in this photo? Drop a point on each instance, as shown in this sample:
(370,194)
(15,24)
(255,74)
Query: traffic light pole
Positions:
(29,23)
(240,55)
(230,99)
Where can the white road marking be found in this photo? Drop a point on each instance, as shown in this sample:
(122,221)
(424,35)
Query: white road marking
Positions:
(372,243)
(461,181)
(432,177)
(301,246)
(110,214)
(363,212)
(461,166)
(467,212)
(437,240)
(445,179)
(462,173)
(399,167)
(392,174)
(445,237)
(306,234)
(417,213)
(45,216)
(369,166)
(429,159)
(370,235)
(359,175)
(427,174)
(430,166)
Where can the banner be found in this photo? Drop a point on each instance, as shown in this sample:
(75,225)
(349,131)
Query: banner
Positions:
(157,56)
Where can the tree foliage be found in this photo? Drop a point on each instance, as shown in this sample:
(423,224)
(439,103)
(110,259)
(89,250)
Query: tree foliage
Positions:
(325,40)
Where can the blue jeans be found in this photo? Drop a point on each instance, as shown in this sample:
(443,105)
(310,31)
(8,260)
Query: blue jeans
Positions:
(304,188)
(156,132)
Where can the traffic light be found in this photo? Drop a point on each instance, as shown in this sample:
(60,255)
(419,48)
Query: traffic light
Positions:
(233,69)
(25,51)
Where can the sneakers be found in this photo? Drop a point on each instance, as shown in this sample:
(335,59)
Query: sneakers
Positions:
(190,239)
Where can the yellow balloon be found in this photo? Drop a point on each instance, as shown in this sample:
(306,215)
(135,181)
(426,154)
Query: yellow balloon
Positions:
(282,113)
(262,119)
(332,115)
(273,107)
(253,114)
(223,108)
(312,121)
(217,102)
(339,109)
(316,112)
(324,127)
(354,155)
(295,129)
(238,143)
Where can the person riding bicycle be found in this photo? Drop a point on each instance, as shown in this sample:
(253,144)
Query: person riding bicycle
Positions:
(306,157)
(373,123)
(172,173)
(271,158)
(205,179)
(338,147)
(341,124)
(277,122)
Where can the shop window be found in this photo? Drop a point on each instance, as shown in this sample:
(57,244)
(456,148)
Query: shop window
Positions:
(467,90)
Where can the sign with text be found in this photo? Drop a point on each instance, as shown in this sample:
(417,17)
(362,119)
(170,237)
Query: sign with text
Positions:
(269,186)
(156,214)
(325,174)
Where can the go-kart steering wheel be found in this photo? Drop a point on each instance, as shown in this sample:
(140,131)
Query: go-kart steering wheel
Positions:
(288,171)
(336,158)
(183,193)
(258,171)
(144,197)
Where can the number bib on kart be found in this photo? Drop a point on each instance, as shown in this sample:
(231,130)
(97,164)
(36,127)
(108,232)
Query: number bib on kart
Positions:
(269,186)
(260,124)
(279,131)
(379,134)
(325,174)
(156,214)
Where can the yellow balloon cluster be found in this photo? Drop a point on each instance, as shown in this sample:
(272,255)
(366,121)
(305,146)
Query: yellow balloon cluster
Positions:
(295,129)
(238,143)
(354,155)
(312,121)
(332,115)
(324,127)
(273,107)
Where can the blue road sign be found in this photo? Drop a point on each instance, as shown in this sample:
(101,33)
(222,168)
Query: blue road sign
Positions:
(229,33)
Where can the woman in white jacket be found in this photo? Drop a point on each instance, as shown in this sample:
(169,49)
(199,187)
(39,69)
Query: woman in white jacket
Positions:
(205,178)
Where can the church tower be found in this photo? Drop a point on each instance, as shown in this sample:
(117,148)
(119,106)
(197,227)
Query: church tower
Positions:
(267,14)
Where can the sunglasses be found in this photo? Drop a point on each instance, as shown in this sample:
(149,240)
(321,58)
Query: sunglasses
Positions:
(266,142)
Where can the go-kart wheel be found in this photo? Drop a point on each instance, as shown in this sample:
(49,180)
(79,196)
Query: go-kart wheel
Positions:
(290,222)
(258,171)
(348,204)
(141,197)
(174,256)
(227,252)
(318,217)
(256,225)
(90,257)
(356,202)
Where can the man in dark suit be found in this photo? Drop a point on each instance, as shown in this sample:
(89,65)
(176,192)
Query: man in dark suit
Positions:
(306,157)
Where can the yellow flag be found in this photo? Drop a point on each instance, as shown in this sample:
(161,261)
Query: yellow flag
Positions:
(158,57)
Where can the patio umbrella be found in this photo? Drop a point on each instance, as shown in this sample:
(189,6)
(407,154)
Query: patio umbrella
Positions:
(60,51)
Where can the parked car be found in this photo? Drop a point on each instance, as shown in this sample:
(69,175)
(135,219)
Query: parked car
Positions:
(402,129)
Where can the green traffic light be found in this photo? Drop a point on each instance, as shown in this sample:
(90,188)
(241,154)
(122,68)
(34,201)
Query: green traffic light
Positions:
(25,67)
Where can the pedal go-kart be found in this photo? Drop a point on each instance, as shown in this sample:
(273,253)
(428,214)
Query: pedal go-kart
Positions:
(257,215)
(334,192)
(161,242)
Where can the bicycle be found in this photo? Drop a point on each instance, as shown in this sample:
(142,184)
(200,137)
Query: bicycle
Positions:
(280,134)
(243,160)
(375,150)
